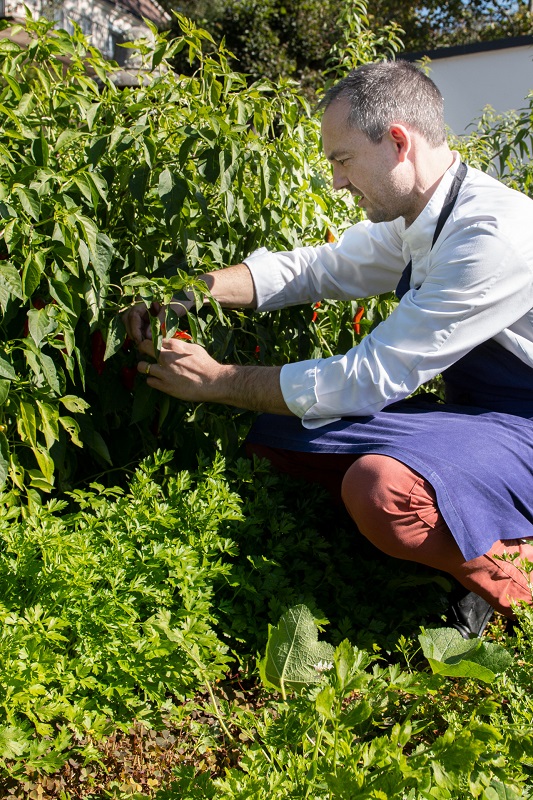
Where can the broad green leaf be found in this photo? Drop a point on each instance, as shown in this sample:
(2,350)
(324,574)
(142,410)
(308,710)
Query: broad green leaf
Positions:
(76,405)
(49,371)
(94,440)
(6,370)
(451,655)
(67,137)
(89,228)
(91,114)
(115,335)
(61,294)
(10,279)
(40,150)
(31,274)
(324,701)
(4,390)
(26,423)
(38,480)
(4,462)
(40,324)
(29,200)
(48,417)
(102,256)
(501,791)
(73,430)
(294,656)
(172,190)
(139,181)
(13,742)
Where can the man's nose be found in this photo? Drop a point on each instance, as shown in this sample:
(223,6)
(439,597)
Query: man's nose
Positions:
(339,178)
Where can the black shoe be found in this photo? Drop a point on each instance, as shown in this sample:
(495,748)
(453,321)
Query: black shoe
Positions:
(469,615)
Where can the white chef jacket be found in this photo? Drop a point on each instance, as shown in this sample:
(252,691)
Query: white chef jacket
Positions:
(474,284)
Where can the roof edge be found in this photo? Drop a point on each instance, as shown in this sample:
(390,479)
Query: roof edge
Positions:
(468,49)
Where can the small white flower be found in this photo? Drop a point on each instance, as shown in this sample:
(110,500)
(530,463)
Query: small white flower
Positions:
(323,666)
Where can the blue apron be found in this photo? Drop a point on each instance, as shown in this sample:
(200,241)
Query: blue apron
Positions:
(476,449)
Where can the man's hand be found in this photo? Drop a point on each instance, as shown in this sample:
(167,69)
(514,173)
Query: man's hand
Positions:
(186,371)
(137,318)
(233,287)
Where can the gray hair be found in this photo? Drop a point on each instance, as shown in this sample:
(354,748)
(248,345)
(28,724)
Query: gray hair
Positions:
(386,92)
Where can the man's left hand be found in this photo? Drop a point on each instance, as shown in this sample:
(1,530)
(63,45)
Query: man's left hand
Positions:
(186,371)
(183,369)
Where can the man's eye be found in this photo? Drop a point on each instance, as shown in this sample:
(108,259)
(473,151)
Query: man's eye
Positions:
(342,161)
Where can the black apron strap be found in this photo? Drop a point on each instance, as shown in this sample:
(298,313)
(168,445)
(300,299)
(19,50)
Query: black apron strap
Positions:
(446,210)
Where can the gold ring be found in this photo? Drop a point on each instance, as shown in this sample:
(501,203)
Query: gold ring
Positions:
(147,370)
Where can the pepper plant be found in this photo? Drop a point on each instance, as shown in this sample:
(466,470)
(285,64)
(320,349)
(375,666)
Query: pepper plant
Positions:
(110,196)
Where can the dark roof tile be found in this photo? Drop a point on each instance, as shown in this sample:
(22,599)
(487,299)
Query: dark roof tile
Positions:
(144,8)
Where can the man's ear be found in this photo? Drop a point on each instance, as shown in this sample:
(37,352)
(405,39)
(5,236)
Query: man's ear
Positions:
(401,138)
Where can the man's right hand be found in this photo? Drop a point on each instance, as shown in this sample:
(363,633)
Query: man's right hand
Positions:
(137,318)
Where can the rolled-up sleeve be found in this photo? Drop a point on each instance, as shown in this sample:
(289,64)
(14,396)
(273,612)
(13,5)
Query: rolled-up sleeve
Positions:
(367,260)
(477,285)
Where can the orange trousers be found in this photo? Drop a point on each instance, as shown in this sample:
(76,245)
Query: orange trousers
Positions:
(396,509)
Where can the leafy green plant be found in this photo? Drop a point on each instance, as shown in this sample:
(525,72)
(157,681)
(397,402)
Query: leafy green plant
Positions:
(110,195)
(450,654)
(107,608)
(361,730)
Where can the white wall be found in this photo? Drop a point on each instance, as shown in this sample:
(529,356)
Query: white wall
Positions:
(499,78)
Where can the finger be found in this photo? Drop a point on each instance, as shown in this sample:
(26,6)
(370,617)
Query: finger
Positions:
(146,347)
(148,369)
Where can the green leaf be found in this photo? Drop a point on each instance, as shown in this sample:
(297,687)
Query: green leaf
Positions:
(40,324)
(115,335)
(172,190)
(48,422)
(29,200)
(26,423)
(324,701)
(138,182)
(61,294)
(294,656)
(76,405)
(4,390)
(73,430)
(40,150)
(102,256)
(501,791)
(67,137)
(94,440)
(31,274)
(4,462)
(10,283)
(451,655)
(13,742)
(49,371)
(6,370)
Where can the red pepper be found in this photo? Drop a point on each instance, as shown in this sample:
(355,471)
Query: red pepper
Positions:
(257,352)
(128,376)
(315,315)
(127,344)
(98,351)
(357,318)
(178,335)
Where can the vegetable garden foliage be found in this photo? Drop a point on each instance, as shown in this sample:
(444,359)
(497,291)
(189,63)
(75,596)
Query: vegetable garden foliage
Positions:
(124,605)
(117,605)
(109,194)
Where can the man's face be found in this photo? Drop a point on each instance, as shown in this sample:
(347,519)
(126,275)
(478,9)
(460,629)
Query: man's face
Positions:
(370,172)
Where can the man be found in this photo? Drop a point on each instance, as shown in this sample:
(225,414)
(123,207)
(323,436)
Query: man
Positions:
(448,485)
